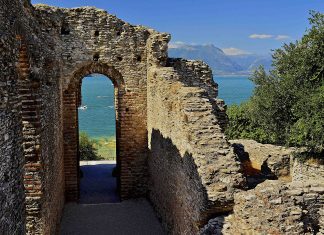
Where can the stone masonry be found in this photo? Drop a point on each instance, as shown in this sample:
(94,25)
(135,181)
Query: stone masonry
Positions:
(286,194)
(170,141)
(12,210)
(170,125)
(193,170)
(269,159)
(305,171)
(274,207)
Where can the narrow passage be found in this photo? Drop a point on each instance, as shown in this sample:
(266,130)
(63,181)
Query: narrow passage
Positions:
(99,211)
(97,185)
(132,217)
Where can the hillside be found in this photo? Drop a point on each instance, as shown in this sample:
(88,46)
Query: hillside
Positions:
(221,63)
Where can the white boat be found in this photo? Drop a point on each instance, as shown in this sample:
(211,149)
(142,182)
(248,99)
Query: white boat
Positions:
(83,107)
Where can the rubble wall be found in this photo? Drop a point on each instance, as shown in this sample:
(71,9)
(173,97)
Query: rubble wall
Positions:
(12,206)
(305,170)
(292,202)
(94,41)
(31,114)
(276,208)
(193,170)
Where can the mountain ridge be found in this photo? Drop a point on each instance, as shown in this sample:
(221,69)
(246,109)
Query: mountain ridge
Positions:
(220,62)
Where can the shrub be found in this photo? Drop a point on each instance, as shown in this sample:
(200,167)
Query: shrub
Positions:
(242,125)
(287,106)
(87,148)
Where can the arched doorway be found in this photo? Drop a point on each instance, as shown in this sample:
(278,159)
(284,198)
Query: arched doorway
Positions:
(97,141)
(72,100)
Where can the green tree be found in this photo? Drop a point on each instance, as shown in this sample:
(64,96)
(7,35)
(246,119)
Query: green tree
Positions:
(87,148)
(242,124)
(287,106)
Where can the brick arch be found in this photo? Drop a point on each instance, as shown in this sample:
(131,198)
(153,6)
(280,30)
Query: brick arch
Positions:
(94,67)
(108,70)
(71,101)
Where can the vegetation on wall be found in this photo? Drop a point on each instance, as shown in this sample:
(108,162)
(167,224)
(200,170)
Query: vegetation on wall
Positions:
(287,107)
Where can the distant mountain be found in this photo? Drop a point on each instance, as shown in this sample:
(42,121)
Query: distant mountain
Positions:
(220,63)
(210,54)
(251,61)
(266,61)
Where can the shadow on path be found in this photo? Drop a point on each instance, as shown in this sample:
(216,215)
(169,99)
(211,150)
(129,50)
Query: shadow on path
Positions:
(97,184)
(100,211)
(133,217)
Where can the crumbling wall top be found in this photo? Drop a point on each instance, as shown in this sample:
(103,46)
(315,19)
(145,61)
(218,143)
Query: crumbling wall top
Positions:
(88,34)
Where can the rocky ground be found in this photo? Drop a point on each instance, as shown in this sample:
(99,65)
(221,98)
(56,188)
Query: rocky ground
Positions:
(285,196)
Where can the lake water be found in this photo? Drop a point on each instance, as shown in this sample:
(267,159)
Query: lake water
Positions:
(98,120)
(234,90)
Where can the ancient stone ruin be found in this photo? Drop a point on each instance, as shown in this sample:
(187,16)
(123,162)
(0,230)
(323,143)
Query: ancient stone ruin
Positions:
(171,146)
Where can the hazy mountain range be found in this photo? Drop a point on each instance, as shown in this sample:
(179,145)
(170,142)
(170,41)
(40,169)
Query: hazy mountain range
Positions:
(221,63)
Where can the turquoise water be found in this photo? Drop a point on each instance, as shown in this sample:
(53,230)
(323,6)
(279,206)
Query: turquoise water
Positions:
(98,120)
(234,90)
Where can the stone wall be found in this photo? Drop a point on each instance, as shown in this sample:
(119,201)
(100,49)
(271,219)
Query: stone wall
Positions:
(42,127)
(34,131)
(93,41)
(267,158)
(274,208)
(263,161)
(307,170)
(170,141)
(52,155)
(193,170)
(12,211)
(291,203)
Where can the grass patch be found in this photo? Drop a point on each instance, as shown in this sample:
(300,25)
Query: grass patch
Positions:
(106,147)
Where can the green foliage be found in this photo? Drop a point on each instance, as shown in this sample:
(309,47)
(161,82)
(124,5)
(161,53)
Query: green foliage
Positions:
(87,148)
(106,147)
(97,149)
(287,106)
(242,124)
(308,130)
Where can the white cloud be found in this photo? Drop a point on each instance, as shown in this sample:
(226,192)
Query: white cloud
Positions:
(261,36)
(177,44)
(268,36)
(235,51)
(282,37)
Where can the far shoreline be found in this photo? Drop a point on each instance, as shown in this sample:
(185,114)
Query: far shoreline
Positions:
(102,136)
(232,75)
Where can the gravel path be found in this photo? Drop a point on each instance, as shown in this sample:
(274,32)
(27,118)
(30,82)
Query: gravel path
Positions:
(94,216)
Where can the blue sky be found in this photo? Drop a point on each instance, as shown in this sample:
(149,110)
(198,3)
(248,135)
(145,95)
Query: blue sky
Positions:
(237,26)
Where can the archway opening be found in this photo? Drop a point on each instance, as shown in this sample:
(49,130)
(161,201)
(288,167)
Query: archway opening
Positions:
(97,140)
